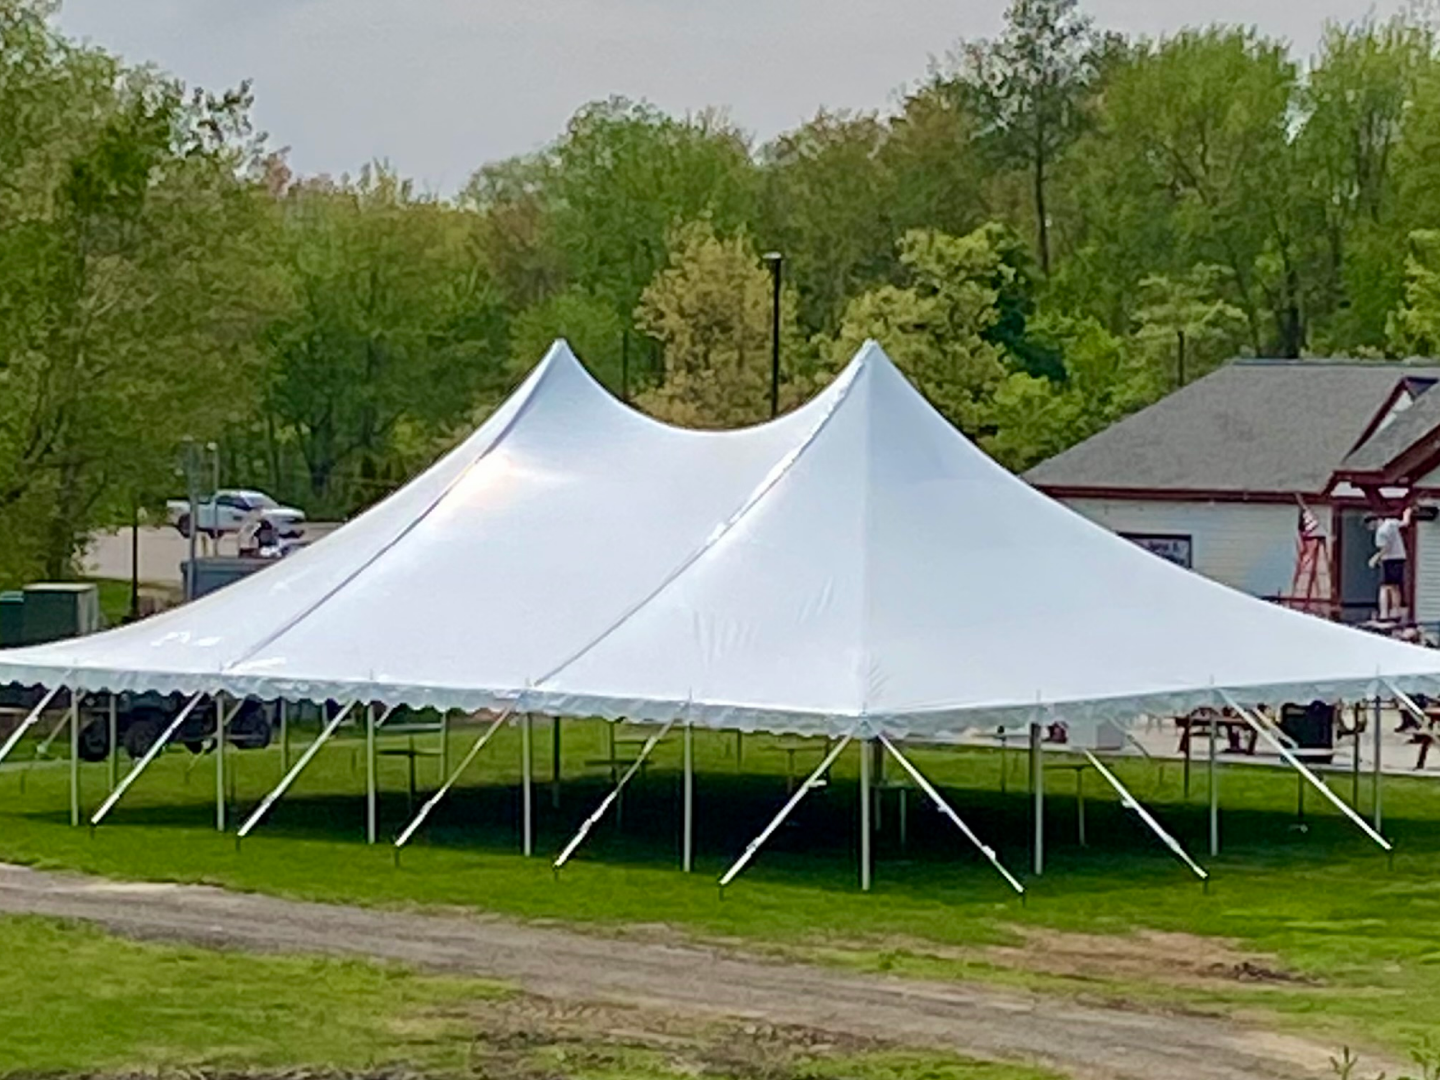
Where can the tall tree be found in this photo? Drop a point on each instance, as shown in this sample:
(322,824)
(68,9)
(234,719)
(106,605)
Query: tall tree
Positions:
(1028,87)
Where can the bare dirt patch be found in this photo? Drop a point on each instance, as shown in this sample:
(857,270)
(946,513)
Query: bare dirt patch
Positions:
(1168,959)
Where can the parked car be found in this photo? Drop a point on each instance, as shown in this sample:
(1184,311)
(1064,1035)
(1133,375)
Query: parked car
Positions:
(225,511)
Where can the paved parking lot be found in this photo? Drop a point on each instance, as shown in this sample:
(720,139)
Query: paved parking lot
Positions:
(162,550)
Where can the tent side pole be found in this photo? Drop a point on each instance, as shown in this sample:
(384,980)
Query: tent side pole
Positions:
(372,824)
(74,758)
(865,796)
(810,781)
(284,736)
(1214,791)
(687,853)
(1037,787)
(150,755)
(605,804)
(949,811)
(113,733)
(29,722)
(1299,766)
(1129,802)
(289,778)
(527,764)
(221,719)
(434,800)
(555,764)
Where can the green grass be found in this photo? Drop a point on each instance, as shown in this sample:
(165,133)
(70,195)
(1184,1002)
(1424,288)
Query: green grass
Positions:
(73,998)
(1322,904)
(114,600)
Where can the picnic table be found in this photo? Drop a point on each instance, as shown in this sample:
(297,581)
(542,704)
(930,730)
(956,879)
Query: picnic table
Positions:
(1240,737)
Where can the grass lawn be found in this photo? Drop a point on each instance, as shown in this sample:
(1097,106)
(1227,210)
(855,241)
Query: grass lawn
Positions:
(1312,929)
(75,999)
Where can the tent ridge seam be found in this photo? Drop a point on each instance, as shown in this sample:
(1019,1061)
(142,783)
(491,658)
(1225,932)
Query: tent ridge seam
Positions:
(768,484)
(386,548)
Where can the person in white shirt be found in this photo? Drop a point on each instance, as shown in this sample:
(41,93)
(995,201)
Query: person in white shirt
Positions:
(1391,556)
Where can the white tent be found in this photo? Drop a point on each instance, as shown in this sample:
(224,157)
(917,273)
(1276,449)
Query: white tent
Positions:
(855,565)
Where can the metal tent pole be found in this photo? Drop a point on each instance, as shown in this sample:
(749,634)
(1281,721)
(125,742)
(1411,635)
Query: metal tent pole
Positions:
(284,736)
(1378,817)
(1214,790)
(74,758)
(113,741)
(150,755)
(688,825)
(1037,787)
(609,799)
(372,824)
(1129,802)
(949,811)
(527,784)
(221,719)
(290,777)
(811,781)
(865,764)
(555,764)
(1299,766)
(29,721)
(434,800)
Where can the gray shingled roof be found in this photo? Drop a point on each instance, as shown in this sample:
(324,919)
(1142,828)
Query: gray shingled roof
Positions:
(1408,428)
(1252,426)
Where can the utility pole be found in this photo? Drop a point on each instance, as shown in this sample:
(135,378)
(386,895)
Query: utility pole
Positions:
(134,557)
(777,262)
(1180,357)
(625,364)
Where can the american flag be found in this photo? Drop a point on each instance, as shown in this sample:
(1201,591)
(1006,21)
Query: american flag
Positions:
(1310,526)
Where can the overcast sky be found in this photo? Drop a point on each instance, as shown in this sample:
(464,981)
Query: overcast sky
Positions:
(440,86)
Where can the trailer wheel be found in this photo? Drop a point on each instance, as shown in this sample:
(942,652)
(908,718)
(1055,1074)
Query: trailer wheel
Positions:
(94,741)
(142,734)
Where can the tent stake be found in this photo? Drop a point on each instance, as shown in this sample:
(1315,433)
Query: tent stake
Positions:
(150,755)
(609,799)
(1299,766)
(434,800)
(299,767)
(946,809)
(1129,802)
(810,781)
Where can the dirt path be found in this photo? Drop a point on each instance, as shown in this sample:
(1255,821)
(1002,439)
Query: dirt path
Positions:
(1083,1040)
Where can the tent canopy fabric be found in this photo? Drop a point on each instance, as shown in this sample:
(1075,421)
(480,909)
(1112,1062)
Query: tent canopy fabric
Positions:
(857,565)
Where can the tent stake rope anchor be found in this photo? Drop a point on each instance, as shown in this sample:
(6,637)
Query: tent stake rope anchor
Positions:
(609,800)
(811,781)
(310,751)
(434,800)
(1129,802)
(1263,730)
(149,756)
(949,811)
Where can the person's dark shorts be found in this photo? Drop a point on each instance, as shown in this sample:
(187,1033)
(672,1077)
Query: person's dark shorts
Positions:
(1392,572)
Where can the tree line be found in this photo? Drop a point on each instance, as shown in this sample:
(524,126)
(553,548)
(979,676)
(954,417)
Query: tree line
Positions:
(1047,230)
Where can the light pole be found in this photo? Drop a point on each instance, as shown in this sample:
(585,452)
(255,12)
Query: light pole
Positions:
(777,262)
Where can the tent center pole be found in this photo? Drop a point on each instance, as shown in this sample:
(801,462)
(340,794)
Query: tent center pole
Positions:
(865,766)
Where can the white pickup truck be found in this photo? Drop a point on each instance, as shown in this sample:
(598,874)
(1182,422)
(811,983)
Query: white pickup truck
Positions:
(227,510)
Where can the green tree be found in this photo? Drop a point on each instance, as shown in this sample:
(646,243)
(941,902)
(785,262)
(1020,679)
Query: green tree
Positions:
(592,328)
(396,320)
(935,325)
(710,309)
(1185,327)
(1029,87)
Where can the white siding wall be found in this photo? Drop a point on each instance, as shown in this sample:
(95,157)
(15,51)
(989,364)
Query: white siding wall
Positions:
(1249,546)
(1427,571)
